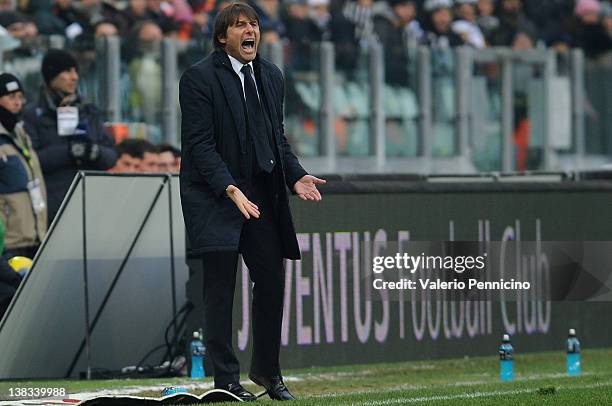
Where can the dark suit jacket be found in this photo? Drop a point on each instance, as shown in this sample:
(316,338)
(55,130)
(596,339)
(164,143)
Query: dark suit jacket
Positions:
(215,152)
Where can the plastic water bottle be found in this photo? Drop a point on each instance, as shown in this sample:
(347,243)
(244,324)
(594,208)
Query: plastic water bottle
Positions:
(171,390)
(573,354)
(506,359)
(198,351)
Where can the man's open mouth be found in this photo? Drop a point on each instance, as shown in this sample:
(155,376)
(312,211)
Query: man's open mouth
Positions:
(248,45)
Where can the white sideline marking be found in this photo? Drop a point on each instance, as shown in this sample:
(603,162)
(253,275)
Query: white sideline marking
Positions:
(403,400)
(406,387)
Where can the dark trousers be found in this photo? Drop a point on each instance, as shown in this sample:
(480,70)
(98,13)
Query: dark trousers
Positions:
(260,247)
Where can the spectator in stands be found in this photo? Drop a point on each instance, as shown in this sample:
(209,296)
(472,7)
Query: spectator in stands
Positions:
(150,157)
(515,30)
(60,18)
(334,27)
(144,39)
(67,133)
(169,158)
(145,72)
(18,25)
(9,279)
(548,14)
(105,28)
(202,10)
(269,15)
(320,17)
(466,24)
(438,22)
(24,56)
(22,186)
(487,20)
(269,34)
(359,12)
(553,19)
(301,34)
(96,11)
(589,33)
(396,27)
(135,12)
(8,5)
(87,56)
(162,13)
(183,17)
(129,152)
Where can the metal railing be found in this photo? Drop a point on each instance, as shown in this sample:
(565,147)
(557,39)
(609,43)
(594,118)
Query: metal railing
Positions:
(447,128)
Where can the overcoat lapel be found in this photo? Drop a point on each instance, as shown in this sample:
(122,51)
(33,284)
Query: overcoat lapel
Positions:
(227,77)
(270,101)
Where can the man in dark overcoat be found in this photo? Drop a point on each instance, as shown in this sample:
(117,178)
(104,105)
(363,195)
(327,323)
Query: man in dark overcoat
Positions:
(236,168)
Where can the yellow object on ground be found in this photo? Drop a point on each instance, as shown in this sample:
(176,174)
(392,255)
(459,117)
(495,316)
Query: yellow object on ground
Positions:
(20,263)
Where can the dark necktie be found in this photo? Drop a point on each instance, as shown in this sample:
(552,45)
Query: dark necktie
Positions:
(256,124)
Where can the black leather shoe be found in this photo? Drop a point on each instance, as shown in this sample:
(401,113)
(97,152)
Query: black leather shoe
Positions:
(238,390)
(274,386)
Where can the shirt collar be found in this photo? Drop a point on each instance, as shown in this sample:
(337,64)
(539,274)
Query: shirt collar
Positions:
(237,65)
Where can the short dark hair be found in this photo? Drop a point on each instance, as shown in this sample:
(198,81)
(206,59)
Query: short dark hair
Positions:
(135,147)
(169,148)
(148,146)
(129,146)
(229,16)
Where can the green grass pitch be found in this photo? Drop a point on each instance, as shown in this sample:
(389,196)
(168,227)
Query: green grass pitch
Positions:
(540,380)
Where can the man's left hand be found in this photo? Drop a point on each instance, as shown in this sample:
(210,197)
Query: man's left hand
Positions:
(306,188)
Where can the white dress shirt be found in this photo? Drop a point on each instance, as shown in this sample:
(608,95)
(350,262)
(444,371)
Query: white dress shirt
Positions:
(237,65)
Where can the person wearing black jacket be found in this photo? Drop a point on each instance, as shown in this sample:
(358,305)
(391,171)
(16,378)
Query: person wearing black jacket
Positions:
(78,142)
(588,31)
(395,26)
(236,167)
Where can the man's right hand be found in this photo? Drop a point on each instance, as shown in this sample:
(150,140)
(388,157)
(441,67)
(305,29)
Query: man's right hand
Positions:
(246,207)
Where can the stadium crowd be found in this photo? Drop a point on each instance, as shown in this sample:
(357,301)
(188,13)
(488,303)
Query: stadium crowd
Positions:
(519,23)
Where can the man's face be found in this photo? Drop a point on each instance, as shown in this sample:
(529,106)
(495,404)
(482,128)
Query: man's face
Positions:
(66,82)
(149,163)
(166,162)
(242,39)
(126,164)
